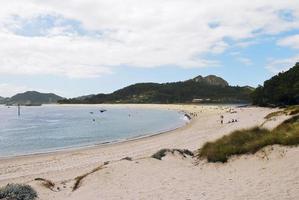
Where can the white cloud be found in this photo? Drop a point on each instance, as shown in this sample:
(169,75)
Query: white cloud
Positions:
(291,41)
(279,65)
(139,33)
(65,56)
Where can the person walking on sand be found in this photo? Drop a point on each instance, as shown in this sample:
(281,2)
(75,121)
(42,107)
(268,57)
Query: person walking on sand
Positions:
(221,119)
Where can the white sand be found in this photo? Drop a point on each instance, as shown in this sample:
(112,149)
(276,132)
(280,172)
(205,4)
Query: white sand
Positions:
(272,173)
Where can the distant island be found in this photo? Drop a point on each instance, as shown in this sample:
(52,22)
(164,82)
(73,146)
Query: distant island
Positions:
(209,89)
(31,98)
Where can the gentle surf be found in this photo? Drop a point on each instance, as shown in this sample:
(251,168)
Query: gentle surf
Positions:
(50,128)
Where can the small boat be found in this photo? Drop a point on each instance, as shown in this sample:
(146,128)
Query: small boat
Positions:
(103,110)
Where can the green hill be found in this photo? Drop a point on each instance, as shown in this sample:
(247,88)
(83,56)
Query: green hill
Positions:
(200,89)
(2,100)
(33,97)
(280,90)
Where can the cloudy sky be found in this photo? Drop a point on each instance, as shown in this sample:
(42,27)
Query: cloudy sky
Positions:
(77,47)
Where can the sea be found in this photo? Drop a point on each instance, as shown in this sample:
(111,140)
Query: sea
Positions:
(48,128)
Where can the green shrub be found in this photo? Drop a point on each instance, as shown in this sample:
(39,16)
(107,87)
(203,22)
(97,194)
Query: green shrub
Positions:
(17,192)
(250,141)
(161,153)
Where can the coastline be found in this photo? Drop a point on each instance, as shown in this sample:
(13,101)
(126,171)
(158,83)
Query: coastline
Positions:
(124,179)
(96,144)
(104,143)
(177,107)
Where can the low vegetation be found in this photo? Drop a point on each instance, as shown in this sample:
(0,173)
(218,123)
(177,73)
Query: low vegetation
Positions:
(161,153)
(17,192)
(79,179)
(275,114)
(250,141)
(46,183)
(290,110)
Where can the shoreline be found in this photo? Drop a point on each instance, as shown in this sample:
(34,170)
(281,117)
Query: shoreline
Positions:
(185,108)
(96,145)
(174,177)
(174,107)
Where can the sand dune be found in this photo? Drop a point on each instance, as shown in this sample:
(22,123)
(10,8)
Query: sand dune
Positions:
(272,173)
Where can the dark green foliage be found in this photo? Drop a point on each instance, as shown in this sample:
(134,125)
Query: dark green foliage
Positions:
(33,97)
(250,141)
(176,92)
(161,153)
(280,90)
(17,192)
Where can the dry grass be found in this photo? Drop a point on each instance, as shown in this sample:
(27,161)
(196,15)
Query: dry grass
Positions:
(79,179)
(46,183)
(250,141)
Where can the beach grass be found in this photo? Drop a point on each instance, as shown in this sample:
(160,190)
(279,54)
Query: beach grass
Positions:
(290,110)
(18,192)
(249,141)
(275,114)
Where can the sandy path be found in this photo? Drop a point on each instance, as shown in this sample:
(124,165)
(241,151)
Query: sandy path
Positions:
(172,178)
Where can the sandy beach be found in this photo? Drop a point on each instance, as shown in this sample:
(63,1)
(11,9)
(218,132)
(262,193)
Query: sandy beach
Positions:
(272,173)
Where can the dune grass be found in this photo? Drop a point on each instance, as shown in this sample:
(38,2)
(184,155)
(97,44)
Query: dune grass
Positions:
(291,110)
(17,192)
(275,114)
(250,141)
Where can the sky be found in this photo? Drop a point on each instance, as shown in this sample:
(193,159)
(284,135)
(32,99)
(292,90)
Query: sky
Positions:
(80,47)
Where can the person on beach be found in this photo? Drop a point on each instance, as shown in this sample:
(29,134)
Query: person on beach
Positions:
(221,119)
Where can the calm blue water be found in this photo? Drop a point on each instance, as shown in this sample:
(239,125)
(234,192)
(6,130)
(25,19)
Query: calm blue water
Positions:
(49,128)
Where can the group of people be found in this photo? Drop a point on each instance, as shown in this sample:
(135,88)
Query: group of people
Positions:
(193,114)
(231,121)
